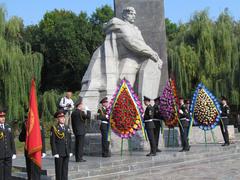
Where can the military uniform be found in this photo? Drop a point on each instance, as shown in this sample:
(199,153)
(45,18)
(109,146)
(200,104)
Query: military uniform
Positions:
(149,126)
(7,150)
(224,123)
(104,127)
(157,123)
(78,124)
(184,119)
(33,171)
(60,141)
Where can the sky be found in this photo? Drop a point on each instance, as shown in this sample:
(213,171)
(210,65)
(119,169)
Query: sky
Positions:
(32,11)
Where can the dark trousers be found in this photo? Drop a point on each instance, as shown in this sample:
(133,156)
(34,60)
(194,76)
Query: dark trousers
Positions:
(224,130)
(61,168)
(151,138)
(184,137)
(105,142)
(157,131)
(6,168)
(33,171)
(79,144)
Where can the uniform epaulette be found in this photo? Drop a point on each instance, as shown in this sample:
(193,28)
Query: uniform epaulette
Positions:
(60,135)
(1,135)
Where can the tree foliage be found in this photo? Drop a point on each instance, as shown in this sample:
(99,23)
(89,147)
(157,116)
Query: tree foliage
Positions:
(207,51)
(17,67)
(67,41)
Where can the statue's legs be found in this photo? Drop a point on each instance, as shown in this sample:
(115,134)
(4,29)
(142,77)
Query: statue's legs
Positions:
(128,69)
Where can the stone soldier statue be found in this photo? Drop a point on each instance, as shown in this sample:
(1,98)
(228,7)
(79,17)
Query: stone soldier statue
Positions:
(60,140)
(132,43)
(7,147)
(33,171)
(184,125)
(225,120)
(121,56)
(104,127)
(157,121)
(149,126)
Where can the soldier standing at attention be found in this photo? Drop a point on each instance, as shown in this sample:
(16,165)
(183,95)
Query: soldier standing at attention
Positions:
(183,125)
(157,121)
(60,141)
(149,126)
(7,148)
(104,127)
(225,121)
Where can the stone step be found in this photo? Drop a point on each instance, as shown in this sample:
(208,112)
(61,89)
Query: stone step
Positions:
(140,166)
(97,166)
(23,176)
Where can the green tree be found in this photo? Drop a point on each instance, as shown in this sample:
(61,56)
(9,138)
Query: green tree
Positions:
(67,42)
(171,29)
(17,68)
(65,54)
(207,51)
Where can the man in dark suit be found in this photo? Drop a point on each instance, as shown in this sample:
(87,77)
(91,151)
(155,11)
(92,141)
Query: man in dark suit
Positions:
(157,121)
(225,120)
(60,140)
(149,126)
(184,125)
(7,147)
(104,127)
(33,171)
(79,118)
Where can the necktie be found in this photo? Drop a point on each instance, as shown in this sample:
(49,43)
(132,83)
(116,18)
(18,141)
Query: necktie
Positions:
(2,127)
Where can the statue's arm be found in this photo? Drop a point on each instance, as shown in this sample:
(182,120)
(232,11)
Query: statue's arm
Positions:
(137,44)
(131,39)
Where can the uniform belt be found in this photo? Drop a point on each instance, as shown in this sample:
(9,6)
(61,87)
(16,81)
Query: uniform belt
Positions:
(183,119)
(156,119)
(104,122)
(149,120)
(224,117)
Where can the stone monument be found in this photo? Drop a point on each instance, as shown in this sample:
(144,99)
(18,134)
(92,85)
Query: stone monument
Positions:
(130,51)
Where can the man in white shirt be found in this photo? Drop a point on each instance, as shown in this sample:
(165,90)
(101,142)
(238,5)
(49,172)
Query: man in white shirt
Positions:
(67,105)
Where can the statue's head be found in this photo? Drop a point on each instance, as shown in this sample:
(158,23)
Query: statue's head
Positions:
(129,14)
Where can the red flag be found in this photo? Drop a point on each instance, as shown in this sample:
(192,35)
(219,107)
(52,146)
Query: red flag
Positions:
(33,133)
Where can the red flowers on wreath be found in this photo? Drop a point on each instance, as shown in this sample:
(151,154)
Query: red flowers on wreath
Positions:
(125,111)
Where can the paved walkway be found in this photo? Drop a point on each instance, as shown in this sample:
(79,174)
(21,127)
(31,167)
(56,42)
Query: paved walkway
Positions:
(217,168)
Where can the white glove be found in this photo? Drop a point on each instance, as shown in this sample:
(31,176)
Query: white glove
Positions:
(43,155)
(56,155)
(86,109)
(107,116)
(180,111)
(14,156)
(71,154)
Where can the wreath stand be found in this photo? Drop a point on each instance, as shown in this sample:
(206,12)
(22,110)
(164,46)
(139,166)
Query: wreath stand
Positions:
(205,134)
(173,136)
(205,137)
